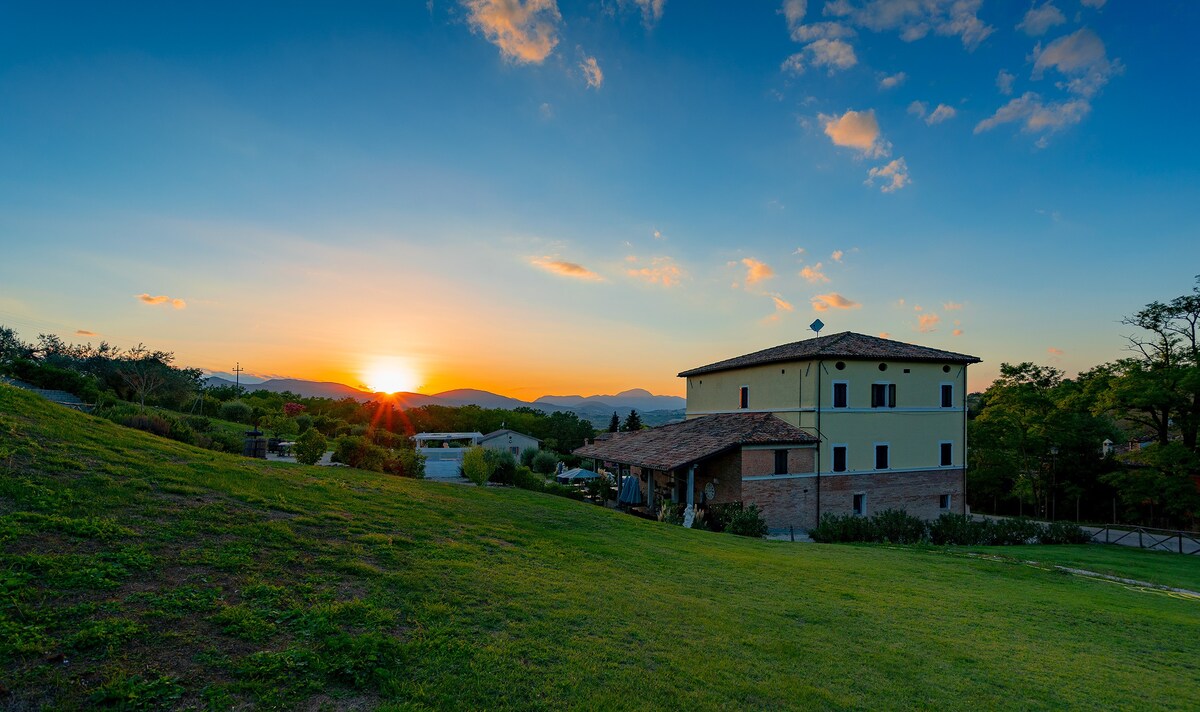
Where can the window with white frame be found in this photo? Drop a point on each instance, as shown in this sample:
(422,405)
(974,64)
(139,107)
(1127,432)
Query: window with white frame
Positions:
(944,501)
(860,504)
(839,458)
(883,395)
(945,454)
(841,394)
(882,461)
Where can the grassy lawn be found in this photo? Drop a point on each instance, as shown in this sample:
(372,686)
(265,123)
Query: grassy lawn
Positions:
(1158,567)
(137,572)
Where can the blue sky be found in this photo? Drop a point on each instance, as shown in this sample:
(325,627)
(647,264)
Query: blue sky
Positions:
(535,197)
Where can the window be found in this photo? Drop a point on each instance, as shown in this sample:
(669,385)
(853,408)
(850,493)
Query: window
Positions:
(781,464)
(947,395)
(881,457)
(841,394)
(883,395)
(860,504)
(839,458)
(744,397)
(944,501)
(946,455)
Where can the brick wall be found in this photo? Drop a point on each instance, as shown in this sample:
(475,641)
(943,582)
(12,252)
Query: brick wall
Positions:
(762,462)
(793,502)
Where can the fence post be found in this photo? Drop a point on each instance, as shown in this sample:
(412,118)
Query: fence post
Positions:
(1180,542)
(1106,529)
(1140,538)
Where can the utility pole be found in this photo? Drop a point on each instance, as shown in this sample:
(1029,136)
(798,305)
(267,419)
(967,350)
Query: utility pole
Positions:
(237,375)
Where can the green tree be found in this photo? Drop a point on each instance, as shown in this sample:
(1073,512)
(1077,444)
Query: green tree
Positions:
(633,422)
(476,466)
(544,462)
(614,425)
(310,447)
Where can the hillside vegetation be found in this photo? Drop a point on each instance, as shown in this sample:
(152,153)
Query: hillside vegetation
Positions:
(137,572)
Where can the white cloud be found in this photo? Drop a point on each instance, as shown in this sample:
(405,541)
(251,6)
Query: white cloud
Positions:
(546,111)
(918,109)
(1081,58)
(940,114)
(894,175)
(833,300)
(1036,116)
(799,251)
(1004,82)
(914,19)
(892,81)
(652,11)
(794,11)
(834,54)
(858,130)
(813,273)
(525,32)
(592,72)
(837,255)
(1040,19)
(1097,4)
(658,235)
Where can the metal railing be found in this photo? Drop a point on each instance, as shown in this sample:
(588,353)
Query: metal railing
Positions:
(1181,542)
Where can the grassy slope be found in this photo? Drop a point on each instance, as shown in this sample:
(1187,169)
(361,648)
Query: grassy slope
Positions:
(177,576)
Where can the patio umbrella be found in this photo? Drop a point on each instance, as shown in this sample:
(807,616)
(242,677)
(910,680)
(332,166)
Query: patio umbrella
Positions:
(631,491)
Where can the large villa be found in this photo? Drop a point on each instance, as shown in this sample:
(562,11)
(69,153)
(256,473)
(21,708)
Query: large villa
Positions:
(846,423)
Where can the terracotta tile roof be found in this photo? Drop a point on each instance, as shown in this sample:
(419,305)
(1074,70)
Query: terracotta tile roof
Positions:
(846,345)
(671,446)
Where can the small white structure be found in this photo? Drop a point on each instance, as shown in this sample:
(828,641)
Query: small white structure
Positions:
(509,441)
(444,452)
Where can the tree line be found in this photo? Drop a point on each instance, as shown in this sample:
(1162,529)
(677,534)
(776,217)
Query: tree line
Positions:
(1116,443)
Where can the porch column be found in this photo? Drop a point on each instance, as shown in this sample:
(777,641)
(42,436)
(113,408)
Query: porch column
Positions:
(691,498)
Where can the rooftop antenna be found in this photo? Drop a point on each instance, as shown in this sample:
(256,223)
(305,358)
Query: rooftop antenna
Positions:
(816,326)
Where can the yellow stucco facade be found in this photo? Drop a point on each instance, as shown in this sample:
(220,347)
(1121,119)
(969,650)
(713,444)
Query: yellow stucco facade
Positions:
(921,431)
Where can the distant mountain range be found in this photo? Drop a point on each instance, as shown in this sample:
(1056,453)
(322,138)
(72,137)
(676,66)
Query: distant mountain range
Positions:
(655,410)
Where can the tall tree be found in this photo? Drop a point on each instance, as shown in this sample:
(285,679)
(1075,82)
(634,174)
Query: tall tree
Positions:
(615,424)
(633,422)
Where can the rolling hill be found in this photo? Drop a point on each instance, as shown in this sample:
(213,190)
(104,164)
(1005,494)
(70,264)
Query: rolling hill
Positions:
(138,573)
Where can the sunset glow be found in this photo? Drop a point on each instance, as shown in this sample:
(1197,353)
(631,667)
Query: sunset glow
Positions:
(392,376)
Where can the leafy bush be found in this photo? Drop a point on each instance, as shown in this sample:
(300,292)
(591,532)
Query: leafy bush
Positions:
(544,462)
(359,452)
(237,411)
(748,522)
(898,527)
(476,466)
(526,478)
(149,423)
(1014,532)
(198,423)
(563,491)
(405,462)
(843,528)
(181,431)
(527,456)
(671,513)
(960,529)
(1064,533)
(720,515)
(504,466)
(310,447)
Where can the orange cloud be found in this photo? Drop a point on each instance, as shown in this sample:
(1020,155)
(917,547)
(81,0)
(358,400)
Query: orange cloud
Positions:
(756,271)
(885,335)
(927,323)
(662,270)
(781,304)
(526,32)
(1055,352)
(85,332)
(814,274)
(833,300)
(162,299)
(952,306)
(858,130)
(837,255)
(566,269)
(956,332)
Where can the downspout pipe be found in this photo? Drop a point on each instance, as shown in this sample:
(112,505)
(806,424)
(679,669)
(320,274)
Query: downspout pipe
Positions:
(820,437)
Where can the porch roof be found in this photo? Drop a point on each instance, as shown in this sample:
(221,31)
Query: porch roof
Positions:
(669,447)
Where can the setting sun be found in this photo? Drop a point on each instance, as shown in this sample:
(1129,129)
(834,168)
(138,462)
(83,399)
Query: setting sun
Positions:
(392,376)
